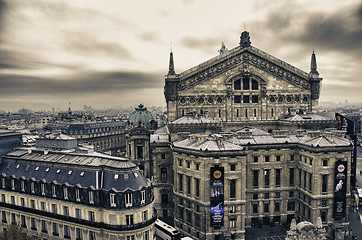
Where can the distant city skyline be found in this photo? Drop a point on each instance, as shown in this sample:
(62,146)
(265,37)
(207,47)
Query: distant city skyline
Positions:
(105,54)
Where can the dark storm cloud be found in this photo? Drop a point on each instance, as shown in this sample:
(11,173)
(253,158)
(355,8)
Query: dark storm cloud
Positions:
(207,45)
(340,31)
(86,83)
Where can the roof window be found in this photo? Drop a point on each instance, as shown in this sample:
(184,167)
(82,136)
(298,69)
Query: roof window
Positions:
(47,170)
(70,172)
(58,171)
(82,174)
(116,176)
(17,166)
(125,176)
(37,168)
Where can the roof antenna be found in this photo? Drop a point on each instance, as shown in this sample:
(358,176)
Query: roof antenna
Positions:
(171,45)
(244,27)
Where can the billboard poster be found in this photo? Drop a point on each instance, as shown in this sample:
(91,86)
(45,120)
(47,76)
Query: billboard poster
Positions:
(217,196)
(340,189)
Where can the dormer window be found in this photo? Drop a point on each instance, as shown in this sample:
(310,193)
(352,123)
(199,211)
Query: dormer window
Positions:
(65,192)
(77,195)
(70,172)
(128,199)
(47,170)
(32,187)
(143,197)
(58,171)
(13,184)
(3,182)
(22,186)
(112,199)
(37,168)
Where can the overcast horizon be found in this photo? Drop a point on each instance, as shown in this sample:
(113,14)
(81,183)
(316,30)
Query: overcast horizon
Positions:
(106,54)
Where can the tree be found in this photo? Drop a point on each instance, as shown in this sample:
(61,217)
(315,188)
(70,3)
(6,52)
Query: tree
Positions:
(14,232)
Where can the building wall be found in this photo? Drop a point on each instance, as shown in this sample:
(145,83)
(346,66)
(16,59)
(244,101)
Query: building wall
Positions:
(277,202)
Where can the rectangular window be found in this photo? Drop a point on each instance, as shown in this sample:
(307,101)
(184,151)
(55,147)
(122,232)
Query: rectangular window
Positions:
(277,177)
(112,200)
(22,186)
(13,218)
(246,113)
(91,216)
(188,216)
(12,200)
(266,178)
(77,195)
(232,222)
(255,196)
(78,213)
(255,178)
(44,226)
(128,199)
(310,181)
(12,184)
(324,183)
(54,209)
(256,158)
(55,229)
(143,197)
(65,211)
(146,236)
(188,184)
(42,206)
(232,188)
(32,204)
(92,236)
(278,158)
(181,213)
(66,232)
(91,197)
(291,158)
(277,194)
(237,99)
(291,206)
(3,199)
(188,164)
(65,192)
(42,186)
(197,166)
(232,167)
(246,84)
(254,99)
(33,223)
(266,195)
(180,162)
(163,174)
(237,113)
(180,182)
(324,215)
(3,182)
(22,202)
(267,159)
(129,219)
(197,187)
(132,237)
(246,99)
(53,191)
(232,209)
(145,215)
(23,221)
(291,176)
(255,208)
(78,234)
(325,162)
(266,207)
(3,216)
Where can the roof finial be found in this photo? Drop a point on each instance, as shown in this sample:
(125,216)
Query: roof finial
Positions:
(313,64)
(245,39)
(171,68)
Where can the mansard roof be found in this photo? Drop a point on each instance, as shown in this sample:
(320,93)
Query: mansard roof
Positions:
(191,118)
(98,171)
(243,57)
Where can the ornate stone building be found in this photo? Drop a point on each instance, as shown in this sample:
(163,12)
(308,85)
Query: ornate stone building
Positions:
(242,84)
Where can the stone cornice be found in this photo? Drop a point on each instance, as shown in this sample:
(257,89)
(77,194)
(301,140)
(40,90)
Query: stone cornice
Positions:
(243,57)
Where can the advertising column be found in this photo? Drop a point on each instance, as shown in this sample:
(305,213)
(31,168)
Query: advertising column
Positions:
(217,196)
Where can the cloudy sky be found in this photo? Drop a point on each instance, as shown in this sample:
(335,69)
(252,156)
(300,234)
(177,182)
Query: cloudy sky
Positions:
(110,52)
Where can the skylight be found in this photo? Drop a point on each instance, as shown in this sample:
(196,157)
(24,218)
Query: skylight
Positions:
(47,170)
(37,168)
(58,171)
(82,174)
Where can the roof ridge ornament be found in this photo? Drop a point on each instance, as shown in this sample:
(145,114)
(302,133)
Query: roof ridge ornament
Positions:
(245,39)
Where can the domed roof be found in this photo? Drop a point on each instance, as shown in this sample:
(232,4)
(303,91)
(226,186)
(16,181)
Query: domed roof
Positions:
(141,114)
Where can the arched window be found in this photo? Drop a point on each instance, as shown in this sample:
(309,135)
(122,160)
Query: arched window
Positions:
(237,84)
(254,85)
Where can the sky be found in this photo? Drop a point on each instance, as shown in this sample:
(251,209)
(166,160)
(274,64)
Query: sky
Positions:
(115,53)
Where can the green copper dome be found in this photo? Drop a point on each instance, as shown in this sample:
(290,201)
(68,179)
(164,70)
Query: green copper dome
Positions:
(141,114)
